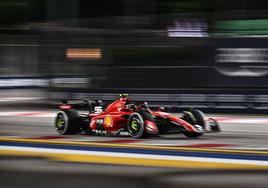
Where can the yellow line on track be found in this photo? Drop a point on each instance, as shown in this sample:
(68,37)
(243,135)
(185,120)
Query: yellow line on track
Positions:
(132,161)
(96,144)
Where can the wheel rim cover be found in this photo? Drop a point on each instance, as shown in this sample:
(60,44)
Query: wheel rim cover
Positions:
(135,126)
(60,124)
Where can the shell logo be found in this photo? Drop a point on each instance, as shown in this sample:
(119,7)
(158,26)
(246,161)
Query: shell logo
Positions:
(108,121)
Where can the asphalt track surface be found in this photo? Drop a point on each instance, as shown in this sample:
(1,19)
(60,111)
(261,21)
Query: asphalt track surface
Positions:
(249,134)
(239,133)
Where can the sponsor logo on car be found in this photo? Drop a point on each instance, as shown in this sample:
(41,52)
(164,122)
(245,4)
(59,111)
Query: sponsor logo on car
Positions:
(108,121)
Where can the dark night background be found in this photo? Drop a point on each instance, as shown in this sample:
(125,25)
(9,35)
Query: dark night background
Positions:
(148,47)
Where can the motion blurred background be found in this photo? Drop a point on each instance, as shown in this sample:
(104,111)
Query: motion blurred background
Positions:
(210,54)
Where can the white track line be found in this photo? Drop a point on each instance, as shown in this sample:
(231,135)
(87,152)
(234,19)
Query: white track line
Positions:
(135,155)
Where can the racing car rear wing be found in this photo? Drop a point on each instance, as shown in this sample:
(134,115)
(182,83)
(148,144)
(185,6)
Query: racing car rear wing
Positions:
(80,104)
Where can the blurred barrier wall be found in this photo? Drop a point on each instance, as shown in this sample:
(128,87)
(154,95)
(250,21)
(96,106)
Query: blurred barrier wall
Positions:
(176,53)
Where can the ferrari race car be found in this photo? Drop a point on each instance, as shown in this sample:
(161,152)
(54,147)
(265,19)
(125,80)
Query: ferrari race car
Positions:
(124,117)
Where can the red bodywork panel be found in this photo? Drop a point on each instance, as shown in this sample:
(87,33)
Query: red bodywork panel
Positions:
(115,117)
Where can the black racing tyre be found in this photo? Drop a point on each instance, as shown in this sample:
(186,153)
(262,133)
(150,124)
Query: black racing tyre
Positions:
(199,117)
(192,135)
(188,117)
(67,122)
(136,123)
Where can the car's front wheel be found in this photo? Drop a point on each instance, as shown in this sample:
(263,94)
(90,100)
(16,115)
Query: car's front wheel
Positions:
(194,116)
(192,134)
(199,117)
(67,122)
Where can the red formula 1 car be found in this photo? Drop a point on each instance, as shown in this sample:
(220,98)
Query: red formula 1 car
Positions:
(126,118)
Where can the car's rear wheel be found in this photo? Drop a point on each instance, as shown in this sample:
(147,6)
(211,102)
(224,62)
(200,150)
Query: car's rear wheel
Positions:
(67,122)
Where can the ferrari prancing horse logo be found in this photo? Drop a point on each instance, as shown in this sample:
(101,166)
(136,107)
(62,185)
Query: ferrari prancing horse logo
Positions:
(108,121)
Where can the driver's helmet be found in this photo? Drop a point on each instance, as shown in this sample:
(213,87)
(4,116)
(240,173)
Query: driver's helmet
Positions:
(129,106)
